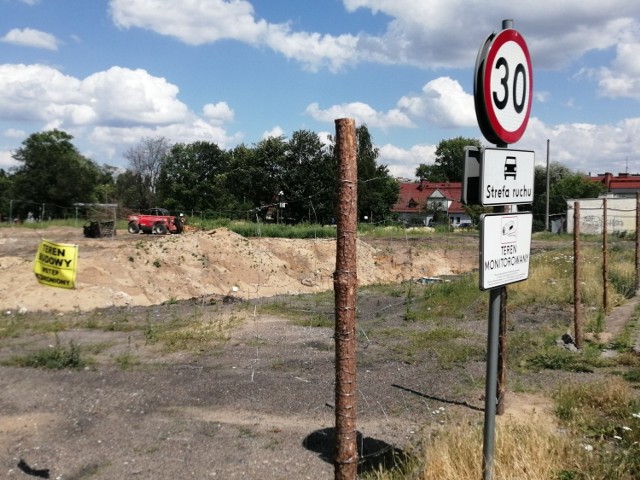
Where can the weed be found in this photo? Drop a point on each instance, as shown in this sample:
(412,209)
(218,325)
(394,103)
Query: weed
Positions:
(127,361)
(558,359)
(190,334)
(55,357)
(245,432)
(317,320)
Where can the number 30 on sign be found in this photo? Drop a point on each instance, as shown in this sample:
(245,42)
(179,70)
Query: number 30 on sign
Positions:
(503,85)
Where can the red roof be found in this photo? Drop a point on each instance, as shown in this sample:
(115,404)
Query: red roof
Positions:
(621,183)
(413,196)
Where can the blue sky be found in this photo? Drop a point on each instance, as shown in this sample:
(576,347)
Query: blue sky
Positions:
(111,73)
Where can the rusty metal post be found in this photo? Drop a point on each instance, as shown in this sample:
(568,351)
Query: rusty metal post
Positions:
(637,241)
(605,257)
(502,353)
(577,321)
(345,282)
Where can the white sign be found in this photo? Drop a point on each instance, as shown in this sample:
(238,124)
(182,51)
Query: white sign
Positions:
(505,247)
(507,177)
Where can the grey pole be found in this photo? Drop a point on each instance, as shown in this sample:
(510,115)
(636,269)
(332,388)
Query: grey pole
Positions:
(546,218)
(490,387)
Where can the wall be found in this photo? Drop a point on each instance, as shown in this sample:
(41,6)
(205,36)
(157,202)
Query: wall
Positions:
(621,215)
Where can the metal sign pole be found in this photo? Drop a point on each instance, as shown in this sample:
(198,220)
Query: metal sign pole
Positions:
(491,384)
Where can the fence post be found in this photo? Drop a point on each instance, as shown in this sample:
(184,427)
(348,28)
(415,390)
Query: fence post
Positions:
(345,281)
(637,241)
(577,322)
(605,257)
(502,354)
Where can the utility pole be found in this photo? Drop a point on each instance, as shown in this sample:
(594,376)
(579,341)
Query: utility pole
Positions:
(546,216)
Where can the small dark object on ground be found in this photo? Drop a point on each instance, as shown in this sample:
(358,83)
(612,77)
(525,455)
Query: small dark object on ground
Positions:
(41,473)
(568,339)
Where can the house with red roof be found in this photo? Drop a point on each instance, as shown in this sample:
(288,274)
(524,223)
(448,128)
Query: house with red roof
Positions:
(419,201)
(621,185)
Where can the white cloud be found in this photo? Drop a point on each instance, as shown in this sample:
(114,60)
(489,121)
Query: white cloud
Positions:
(622,78)
(29,37)
(443,103)
(6,161)
(112,109)
(112,141)
(403,162)
(14,133)
(197,22)
(362,113)
(436,34)
(541,96)
(275,132)
(430,35)
(132,96)
(218,113)
(194,22)
(115,96)
(580,146)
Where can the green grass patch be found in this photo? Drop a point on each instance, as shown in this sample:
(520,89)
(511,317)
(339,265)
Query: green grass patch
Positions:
(456,298)
(449,345)
(57,357)
(190,334)
(315,320)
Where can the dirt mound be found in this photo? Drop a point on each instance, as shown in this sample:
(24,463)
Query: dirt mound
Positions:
(147,269)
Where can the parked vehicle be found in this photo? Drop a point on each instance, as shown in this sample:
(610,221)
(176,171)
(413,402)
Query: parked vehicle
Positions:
(155,220)
(96,229)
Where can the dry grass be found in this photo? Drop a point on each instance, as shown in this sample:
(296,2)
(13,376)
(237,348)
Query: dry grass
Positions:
(523,451)
(551,278)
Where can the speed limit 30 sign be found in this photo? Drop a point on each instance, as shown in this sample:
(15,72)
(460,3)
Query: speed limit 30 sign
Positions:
(503,86)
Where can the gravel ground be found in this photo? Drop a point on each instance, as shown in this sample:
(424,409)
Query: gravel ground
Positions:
(256,404)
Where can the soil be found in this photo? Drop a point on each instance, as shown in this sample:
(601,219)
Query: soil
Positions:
(257,403)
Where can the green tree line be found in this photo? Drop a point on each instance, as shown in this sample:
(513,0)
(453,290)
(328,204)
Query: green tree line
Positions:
(297,177)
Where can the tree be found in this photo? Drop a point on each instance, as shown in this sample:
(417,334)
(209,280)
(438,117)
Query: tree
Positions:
(53,172)
(265,175)
(575,185)
(309,179)
(6,194)
(193,177)
(377,189)
(241,179)
(430,173)
(449,162)
(563,184)
(145,161)
(130,192)
(105,191)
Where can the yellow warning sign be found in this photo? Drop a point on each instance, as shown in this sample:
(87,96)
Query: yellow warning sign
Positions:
(56,264)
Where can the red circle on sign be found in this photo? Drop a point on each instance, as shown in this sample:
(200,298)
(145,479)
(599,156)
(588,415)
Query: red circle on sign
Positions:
(507,86)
